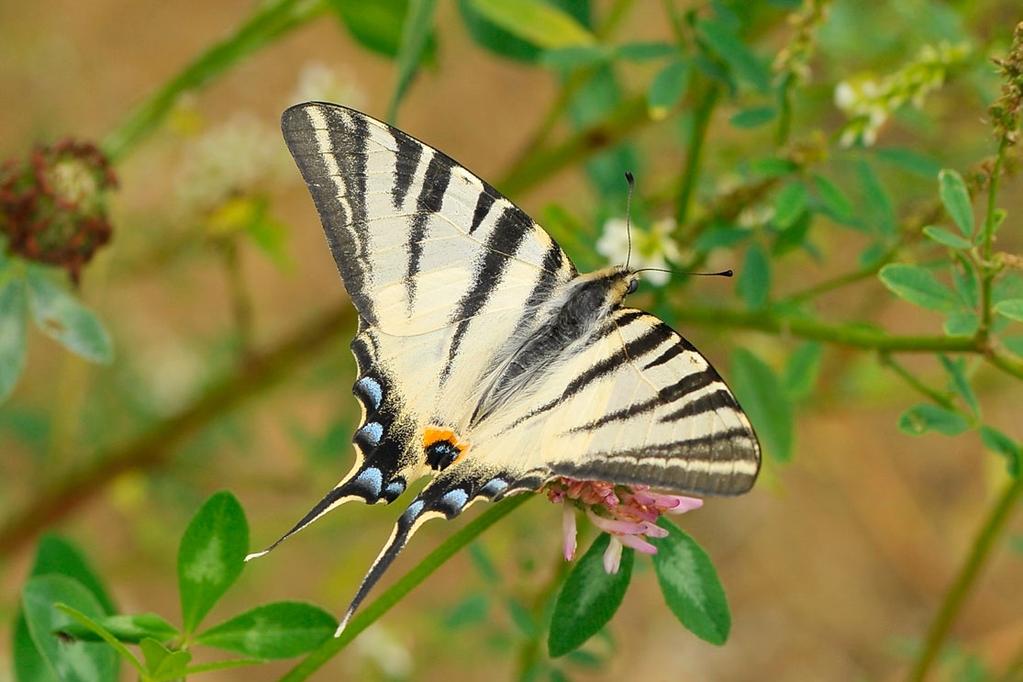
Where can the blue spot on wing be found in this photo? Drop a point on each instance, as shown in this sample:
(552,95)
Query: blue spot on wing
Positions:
(371,433)
(370,388)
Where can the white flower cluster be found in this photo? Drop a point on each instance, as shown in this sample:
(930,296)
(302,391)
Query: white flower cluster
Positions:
(651,248)
(239,156)
(868,103)
(317,82)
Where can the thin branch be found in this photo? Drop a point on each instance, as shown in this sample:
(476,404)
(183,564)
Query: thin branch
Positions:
(967,578)
(914,382)
(694,154)
(849,334)
(155,446)
(403,586)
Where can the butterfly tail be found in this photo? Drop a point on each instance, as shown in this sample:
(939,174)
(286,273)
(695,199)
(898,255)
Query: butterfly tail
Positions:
(363,484)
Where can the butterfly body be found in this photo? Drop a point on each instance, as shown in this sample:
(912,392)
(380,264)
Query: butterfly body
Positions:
(485,360)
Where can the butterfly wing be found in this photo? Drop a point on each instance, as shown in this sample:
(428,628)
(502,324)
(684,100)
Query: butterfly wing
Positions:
(431,256)
(639,405)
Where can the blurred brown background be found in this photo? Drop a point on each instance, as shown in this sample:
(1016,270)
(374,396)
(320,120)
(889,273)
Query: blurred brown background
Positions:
(834,565)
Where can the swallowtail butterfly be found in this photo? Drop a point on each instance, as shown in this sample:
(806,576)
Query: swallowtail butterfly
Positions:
(485,360)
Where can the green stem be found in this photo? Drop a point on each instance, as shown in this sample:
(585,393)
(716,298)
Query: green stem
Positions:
(914,382)
(988,270)
(855,335)
(965,581)
(268,23)
(697,137)
(403,586)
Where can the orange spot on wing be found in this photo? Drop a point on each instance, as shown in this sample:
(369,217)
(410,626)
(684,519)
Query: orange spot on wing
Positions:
(437,434)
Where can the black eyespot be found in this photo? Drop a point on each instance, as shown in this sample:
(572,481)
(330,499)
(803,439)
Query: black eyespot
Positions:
(633,285)
(441,454)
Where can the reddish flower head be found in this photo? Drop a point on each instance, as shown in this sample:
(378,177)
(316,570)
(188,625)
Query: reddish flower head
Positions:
(627,513)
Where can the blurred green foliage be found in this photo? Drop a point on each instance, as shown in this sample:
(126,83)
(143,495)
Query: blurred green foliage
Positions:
(828,150)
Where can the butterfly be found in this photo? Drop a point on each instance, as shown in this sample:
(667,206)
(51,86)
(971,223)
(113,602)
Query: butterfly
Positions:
(485,359)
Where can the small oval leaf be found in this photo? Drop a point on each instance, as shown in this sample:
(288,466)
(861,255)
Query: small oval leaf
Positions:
(1011,308)
(13,304)
(667,88)
(68,661)
(919,286)
(946,238)
(278,630)
(690,585)
(62,317)
(956,200)
(536,22)
(211,556)
(925,417)
(754,281)
(588,598)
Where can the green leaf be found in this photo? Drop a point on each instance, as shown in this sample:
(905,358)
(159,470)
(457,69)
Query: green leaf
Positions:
(996,441)
(211,556)
(55,554)
(964,279)
(645,51)
(946,238)
(959,383)
(59,315)
(719,236)
(754,282)
(753,117)
(502,42)
(877,204)
(162,663)
(376,25)
(536,22)
(834,201)
(925,417)
(12,334)
(1009,285)
(765,402)
(471,610)
(28,663)
(278,630)
(956,199)
(667,88)
(802,369)
(67,661)
(415,34)
(962,324)
(789,204)
(1011,308)
(730,48)
(588,598)
(577,56)
(690,585)
(101,633)
(909,160)
(131,629)
(919,286)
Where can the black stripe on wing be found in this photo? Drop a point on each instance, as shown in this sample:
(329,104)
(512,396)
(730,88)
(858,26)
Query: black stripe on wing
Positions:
(345,229)
(665,396)
(724,463)
(429,202)
(504,240)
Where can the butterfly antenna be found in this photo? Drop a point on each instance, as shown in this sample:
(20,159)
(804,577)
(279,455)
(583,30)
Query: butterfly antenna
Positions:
(722,273)
(631,181)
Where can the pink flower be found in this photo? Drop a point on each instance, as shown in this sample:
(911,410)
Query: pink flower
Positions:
(627,513)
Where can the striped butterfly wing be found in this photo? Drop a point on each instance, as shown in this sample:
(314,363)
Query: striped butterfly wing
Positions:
(431,256)
(645,407)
